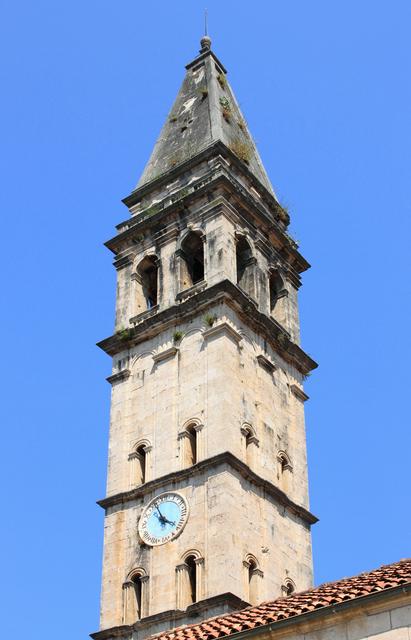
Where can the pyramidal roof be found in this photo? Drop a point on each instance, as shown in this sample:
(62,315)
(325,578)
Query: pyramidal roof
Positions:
(204,112)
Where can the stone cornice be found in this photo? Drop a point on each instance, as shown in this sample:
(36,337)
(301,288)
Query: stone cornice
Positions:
(220,292)
(191,291)
(124,374)
(135,225)
(222,458)
(165,354)
(299,393)
(223,327)
(122,261)
(192,611)
(122,631)
(266,363)
(214,149)
(202,57)
(146,314)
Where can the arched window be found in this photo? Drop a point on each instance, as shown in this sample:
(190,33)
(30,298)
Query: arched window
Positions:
(190,443)
(192,254)
(250,441)
(278,295)
(139,460)
(136,580)
(248,437)
(284,471)
(284,462)
(288,588)
(135,596)
(147,283)
(245,266)
(189,579)
(252,566)
(191,446)
(192,578)
(252,577)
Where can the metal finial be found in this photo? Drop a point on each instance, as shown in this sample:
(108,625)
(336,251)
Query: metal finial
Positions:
(205,40)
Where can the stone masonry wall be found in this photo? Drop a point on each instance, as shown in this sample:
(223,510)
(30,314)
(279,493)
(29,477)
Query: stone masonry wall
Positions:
(217,380)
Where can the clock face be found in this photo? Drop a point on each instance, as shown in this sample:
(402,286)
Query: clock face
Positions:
(163,519)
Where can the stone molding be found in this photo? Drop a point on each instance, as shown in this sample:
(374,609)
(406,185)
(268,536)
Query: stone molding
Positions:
(299,393)
(134,456)
(266,363)
(165,355)
(265,206)
(122,261)
(124,374)
(282,456)
(214,150)
(191,291)
(256,571)
(144,315)
(223,327)
(197,426)
(248,430)
(286,585)
(227,458)
(223,291)
(123,631)
(192,611)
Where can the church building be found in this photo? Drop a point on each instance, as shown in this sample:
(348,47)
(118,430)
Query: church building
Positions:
(207,517)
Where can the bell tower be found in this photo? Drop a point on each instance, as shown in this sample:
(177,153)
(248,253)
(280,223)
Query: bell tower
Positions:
(206,507)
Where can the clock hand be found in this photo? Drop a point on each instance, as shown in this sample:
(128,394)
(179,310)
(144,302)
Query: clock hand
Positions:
(161,520)
(161,515)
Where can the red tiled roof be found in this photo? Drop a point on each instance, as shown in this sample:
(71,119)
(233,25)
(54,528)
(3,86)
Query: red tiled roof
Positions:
(329,594)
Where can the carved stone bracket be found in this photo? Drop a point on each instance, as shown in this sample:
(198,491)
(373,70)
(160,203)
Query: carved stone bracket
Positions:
(124,374)
(165,355)
(266,364)
(298,393)
(223,327)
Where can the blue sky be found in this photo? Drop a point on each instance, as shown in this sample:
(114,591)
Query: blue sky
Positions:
(85,89)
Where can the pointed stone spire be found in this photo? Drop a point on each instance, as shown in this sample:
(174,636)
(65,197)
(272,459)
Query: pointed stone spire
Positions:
(204,112)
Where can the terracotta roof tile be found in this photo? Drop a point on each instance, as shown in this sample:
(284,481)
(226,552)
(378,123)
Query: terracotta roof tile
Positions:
(325,595)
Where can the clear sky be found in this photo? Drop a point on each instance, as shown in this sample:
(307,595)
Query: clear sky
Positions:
(86,86)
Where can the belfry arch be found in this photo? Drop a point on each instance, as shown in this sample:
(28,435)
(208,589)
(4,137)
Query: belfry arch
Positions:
(192,268)
(245,265)
(278,296)
(146,284)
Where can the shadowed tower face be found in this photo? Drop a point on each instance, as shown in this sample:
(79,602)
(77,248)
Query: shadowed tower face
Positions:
(207,500)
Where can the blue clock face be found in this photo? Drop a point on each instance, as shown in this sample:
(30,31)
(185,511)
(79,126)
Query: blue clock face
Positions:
(163,518)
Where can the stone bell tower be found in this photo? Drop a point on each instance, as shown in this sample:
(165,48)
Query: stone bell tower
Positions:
(207,501)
